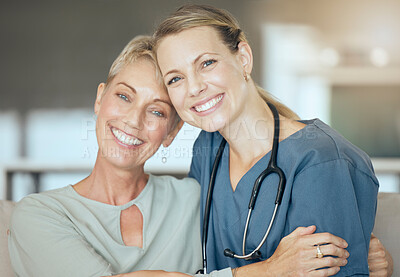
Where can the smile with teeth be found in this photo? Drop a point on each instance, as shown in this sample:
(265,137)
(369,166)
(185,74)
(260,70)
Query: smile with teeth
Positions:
(124,138)
(208,105)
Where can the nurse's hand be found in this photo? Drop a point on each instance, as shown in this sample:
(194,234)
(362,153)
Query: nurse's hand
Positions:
(296,255)
(380,261)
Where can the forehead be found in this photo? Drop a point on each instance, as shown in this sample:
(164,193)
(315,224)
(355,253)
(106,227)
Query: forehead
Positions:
(141,75)
(188,44)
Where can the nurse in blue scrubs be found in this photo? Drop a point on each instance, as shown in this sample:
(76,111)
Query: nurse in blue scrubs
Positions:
(206,64)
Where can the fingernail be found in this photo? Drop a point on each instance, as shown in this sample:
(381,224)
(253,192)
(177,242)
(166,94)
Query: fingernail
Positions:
(347,254)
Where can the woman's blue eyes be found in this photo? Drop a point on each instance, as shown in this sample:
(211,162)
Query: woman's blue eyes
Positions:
(123,97)
(157,113)
(208,62)
(203,65)
(174,80)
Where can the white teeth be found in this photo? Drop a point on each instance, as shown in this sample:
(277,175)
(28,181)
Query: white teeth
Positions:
(208,105)
(125,139)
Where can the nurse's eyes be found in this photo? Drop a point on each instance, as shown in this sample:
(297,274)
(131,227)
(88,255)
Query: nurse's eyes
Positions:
(208,62)
(174,80)
(204,64)
(123,97)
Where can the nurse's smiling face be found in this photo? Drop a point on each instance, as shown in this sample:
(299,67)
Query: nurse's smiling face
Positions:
(135,116)
(204,78)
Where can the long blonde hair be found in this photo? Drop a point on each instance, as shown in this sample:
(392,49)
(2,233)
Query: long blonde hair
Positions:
(193,15)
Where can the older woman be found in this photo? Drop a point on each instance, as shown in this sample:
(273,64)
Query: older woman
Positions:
(119,219)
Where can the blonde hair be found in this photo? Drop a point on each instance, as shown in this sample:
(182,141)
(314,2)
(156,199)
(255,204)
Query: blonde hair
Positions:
(140,47)
(193,15)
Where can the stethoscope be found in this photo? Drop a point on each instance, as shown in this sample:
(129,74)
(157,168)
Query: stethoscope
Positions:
(271,168)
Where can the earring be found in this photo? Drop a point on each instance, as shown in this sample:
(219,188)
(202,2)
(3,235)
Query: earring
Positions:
(246,77)
(164,152)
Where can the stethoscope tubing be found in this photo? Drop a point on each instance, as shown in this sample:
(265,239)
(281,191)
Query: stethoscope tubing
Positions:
(254,252)
(207,208)
(271,168)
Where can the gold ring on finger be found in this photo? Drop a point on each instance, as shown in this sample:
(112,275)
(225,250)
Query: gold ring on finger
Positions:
(319,252)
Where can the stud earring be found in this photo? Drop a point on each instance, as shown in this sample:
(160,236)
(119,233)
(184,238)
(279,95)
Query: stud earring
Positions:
(164,152)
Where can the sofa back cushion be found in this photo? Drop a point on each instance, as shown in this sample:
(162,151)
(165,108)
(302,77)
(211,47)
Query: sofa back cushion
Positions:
(387,226)
(5,213)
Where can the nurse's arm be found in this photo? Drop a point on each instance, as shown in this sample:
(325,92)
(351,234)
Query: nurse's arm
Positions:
(296,256)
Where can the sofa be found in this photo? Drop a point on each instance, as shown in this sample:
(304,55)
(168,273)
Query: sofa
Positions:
(387,229)
(5,212)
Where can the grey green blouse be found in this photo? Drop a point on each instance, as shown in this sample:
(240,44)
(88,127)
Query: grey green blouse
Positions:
(61,233)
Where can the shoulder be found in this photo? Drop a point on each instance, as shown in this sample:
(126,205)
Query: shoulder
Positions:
(176,199)
(44,199)
(39,211)
(207,141)
(205,149)
(42,205)
(185,186)
(322,145)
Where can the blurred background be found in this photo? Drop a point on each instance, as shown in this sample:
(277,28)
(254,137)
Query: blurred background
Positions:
(336,60)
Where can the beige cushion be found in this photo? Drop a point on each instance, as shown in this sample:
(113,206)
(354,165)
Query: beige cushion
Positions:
(5,212)
(387,226)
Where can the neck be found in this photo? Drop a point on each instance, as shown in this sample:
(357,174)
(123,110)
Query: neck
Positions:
(112,185)
(250,134)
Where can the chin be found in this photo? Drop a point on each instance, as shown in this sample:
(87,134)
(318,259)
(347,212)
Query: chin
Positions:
(126,164)
(213,125)
(119,158)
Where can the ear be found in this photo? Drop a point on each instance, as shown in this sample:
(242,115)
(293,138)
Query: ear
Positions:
(100,93)
(245,56)
(172,134)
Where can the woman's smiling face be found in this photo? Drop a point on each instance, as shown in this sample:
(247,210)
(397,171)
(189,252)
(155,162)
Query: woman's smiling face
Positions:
(135,116)
(204,78)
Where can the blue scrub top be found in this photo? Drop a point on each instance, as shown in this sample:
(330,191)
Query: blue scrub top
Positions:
(330,184)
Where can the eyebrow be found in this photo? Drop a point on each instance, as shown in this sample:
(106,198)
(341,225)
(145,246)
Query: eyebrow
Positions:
(125,84)
(195,61)
(163,101)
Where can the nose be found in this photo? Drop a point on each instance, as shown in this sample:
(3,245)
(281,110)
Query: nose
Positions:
(134,118)
(196,84)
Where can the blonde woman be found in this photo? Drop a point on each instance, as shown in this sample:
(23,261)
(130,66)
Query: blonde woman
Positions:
(206,63)
(119,219)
